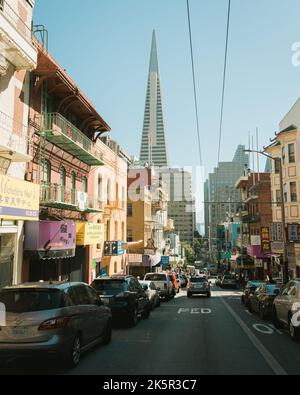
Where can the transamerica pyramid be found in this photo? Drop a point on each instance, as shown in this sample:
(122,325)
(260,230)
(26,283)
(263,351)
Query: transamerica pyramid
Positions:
(154,140)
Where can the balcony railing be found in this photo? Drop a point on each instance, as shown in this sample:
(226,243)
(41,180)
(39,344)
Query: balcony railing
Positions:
(57,196)
(19,24)
(14,139)
(61,132)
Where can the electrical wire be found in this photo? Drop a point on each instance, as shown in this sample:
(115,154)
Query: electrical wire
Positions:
(194,80)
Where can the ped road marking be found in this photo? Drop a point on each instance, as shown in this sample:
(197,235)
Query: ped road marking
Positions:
(195,311)
(268,357)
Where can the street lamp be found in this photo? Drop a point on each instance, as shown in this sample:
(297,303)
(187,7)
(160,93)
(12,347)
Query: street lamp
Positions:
(285,254)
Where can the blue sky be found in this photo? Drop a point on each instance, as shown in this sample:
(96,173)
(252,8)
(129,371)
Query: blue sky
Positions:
(105,47)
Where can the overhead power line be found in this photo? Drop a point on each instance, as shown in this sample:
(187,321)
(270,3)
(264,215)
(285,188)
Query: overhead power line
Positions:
(194,81)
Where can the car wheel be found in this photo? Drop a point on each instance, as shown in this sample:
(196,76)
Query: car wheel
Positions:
(133,317)
(294,332)
(243,300)
(146,313)
(72,359)
(276,321)
(189,295)
(107,333)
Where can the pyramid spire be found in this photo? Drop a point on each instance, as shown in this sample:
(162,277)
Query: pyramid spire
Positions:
(154,56)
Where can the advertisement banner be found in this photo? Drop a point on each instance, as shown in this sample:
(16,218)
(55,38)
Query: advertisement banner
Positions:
(19,200)
(50,235)
(89,233)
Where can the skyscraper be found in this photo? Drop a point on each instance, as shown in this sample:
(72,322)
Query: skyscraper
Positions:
(154,141)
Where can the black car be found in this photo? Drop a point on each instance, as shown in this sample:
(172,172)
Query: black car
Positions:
(262,301)
(251,287)
(125,297)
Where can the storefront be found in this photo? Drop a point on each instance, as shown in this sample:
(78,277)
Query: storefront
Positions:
(49,248)
(90,236)
(19,202)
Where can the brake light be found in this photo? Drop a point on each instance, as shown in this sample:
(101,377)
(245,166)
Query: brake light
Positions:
(55,323)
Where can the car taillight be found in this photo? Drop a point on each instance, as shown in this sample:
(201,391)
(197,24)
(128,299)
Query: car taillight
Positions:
(55,323)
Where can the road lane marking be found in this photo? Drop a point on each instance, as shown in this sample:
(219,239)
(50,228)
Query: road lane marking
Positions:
(195,310)
(248,312)
(275,329)
(268,357)
(264,329)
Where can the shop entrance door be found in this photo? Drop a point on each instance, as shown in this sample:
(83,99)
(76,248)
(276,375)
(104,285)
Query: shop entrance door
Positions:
(6,259)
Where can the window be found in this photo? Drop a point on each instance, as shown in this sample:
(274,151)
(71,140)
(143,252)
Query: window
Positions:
(129,236)
(285,193)
(73,187)
(116,267)
(293,191)
(108,230)
(123,198)
(84,185)
(129,210)
(108,192)
(278,197)
(123,231)
(46,172)
(277,166)
(99,188)
(99,245)
(283,155)
(291,148)
(116,231)
(117,193)
(63,183)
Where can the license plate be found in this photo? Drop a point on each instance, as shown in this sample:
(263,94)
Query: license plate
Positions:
(19,331)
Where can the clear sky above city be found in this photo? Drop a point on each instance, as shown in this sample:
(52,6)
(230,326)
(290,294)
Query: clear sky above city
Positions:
(105,47)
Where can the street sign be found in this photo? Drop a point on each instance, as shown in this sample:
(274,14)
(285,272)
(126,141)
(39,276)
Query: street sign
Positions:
(265,240)
(165,261)
(276,232)
(113,248)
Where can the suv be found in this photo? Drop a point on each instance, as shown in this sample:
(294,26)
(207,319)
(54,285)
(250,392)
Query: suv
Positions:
(228,281)
(162,283)
(125,297)
(198,286)
(287,308)
(64,319)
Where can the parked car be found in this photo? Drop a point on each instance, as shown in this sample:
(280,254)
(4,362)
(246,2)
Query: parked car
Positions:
(251,287)
(162,283)
(198,286)
(287,309)
(228,281)
(184,280)
(65,319)
(175,281)
(262,300)
(125,297)
(152,293)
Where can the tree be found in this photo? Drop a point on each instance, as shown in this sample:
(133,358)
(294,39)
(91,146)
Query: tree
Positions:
(189,253)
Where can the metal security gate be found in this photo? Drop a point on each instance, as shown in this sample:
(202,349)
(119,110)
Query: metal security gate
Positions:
(6,272)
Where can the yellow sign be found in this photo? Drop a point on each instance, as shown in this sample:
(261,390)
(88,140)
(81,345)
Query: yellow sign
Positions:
(89,233)
(19,200)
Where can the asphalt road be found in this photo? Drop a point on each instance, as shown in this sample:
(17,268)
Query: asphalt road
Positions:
(215,336)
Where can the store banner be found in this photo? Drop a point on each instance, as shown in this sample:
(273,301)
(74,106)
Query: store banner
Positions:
(50,236)
(19,200)
(89,233)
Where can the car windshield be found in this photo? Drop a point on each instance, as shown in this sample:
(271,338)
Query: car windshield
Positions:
(229,278)
(155,277)
(198,280)
(26,301)
(109,285)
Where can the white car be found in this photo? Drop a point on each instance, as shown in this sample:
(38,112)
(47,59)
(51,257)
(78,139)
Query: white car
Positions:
(163,284)
(152,293)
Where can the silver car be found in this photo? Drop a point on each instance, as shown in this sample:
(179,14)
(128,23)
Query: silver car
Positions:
(287,308)
(152,293)
(64,319)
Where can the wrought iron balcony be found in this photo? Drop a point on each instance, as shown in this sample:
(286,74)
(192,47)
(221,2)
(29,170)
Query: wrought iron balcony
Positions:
(62,133)
(16,39)
(14,143)
(57,196)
